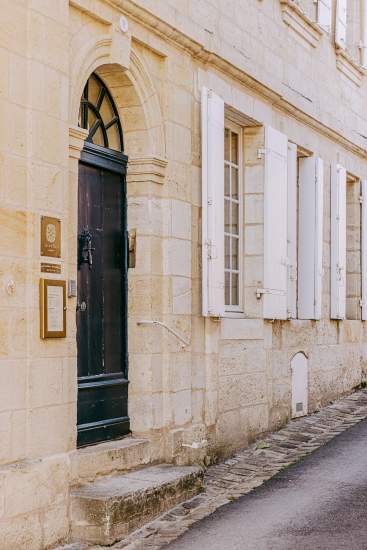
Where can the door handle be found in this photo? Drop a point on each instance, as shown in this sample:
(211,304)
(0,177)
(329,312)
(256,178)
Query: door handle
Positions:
(86,249)
(82,306)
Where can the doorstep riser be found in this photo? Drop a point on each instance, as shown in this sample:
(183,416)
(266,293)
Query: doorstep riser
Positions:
(104,523)
(89,463)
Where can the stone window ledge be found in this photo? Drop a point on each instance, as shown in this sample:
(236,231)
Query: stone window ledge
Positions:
(349,67)
(299,22)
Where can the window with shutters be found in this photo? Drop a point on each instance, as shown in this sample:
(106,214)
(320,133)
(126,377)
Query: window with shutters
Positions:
(353,245)
(307,244)
(233,217)
(353,29)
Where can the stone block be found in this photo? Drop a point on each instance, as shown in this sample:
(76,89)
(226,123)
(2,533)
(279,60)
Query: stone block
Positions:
(181,295)
(32,485)
(122,455)
(110,508)
(350,332)
(242,329)
(181,406)
(180,220)
(23,532)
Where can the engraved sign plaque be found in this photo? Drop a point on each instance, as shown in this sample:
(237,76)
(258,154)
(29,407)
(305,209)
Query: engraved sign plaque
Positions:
(52,308)
(50,268)
(50,237)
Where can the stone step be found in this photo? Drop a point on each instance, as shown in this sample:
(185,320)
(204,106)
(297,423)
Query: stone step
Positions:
(109,457)
(108,509)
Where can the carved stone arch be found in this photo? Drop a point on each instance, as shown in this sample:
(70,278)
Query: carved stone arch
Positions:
(132,88)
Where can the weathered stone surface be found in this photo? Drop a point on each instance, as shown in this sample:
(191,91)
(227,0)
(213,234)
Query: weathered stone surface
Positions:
(113,456)
(114,506)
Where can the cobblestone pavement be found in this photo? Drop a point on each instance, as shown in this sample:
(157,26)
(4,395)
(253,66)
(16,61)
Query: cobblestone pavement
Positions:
(248,469)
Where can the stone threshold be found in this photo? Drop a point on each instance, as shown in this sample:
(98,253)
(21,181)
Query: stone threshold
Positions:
(246,470)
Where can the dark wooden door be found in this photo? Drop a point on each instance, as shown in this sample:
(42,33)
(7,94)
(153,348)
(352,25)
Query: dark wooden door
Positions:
(102,296)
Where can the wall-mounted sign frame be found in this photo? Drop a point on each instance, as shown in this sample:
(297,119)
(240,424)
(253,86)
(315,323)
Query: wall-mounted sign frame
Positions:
(50,237)
(52,308)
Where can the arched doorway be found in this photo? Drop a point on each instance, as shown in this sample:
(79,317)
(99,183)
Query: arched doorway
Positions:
(101,316)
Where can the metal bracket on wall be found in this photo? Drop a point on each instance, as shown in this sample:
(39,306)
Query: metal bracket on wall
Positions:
(184,343)
(261,291)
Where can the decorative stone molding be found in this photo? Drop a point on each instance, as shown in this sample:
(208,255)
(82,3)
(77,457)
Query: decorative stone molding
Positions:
(146,169)
(77,137)
(199,51)
(349,67)
(299,22)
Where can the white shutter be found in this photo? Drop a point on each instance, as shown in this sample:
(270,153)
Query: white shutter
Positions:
(338,241)
(275,225)
(292,230)
(310,237)
(364,250)
(324,13)
(341,24)
(212,118)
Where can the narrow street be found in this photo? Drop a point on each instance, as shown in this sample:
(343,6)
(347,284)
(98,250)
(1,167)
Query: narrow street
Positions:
(318,503)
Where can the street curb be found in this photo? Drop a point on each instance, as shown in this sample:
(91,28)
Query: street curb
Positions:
(250,468)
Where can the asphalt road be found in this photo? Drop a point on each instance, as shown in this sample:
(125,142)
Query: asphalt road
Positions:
(318,504)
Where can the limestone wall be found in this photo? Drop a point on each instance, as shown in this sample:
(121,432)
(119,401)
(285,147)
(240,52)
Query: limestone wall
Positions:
(233,381)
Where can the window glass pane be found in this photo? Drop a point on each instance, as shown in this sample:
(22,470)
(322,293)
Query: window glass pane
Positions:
(227,297)
(226,181)
(114,137)
(226,144)
(98,138)
(234,253)
(227,253)
(234,224)
(234,183)
(227,210)
(93,90)
(91,119)
(234,148)
(234,289)
(106,110)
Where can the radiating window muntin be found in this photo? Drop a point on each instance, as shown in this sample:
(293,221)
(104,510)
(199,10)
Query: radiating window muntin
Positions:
(98,115)
(233,226)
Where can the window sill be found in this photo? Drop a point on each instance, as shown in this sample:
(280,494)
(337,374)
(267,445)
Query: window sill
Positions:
(349,67)
(300,23)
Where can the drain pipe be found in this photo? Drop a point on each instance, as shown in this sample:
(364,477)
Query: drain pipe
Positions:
(363,44)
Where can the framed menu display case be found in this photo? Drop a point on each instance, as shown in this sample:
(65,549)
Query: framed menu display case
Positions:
(52,308)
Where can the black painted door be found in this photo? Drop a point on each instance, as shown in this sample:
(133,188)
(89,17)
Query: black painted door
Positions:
(102,296)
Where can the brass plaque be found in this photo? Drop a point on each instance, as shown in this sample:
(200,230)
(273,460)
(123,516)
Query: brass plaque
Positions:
(50,237)
(50,268)
(52,308)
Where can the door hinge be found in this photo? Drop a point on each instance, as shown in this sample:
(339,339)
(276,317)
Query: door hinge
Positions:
(361,199)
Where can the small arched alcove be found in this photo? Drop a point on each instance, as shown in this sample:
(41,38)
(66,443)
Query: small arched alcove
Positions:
(299,369)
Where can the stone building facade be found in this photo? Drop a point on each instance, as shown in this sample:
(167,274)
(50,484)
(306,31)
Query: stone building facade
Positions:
(243,311)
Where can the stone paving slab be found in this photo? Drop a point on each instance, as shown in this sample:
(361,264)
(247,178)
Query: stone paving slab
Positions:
(247,470)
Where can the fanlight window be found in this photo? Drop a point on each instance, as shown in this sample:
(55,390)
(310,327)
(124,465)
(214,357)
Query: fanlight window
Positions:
(98,115)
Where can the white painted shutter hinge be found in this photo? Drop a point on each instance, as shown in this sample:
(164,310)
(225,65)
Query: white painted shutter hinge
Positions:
(362,303)
(212,251)
(361,199)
